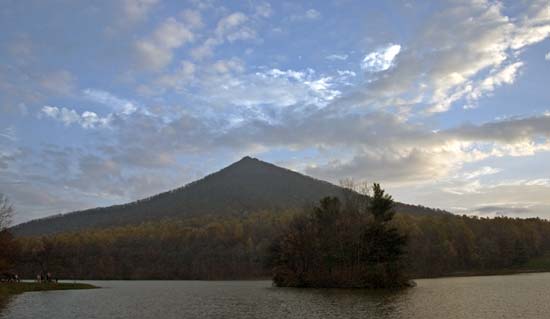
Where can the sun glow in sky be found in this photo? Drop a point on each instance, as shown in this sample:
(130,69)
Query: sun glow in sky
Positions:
(446,103)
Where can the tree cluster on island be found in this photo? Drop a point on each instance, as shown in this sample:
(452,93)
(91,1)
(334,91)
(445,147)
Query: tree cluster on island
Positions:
(351,244)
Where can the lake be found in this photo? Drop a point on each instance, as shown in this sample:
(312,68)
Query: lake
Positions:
(514,296)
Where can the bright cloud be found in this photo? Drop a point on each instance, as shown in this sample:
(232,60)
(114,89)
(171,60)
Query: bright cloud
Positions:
(312,14)
(67,116)
(381,59)
(275,87)
(443,64)
(486,170)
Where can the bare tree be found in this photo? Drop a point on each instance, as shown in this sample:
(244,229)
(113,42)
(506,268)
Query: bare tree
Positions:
(355,194)
(6,212)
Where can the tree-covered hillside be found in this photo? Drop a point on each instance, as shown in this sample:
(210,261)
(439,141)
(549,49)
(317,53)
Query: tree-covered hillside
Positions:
(248,185)
(230,247)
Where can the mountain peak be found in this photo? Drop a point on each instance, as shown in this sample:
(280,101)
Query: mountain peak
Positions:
(248,158)
(247,185)
(248,161)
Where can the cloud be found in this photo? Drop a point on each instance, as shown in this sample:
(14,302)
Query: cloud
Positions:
(388,166)
(64,115)
(119,105)
(192,18)
(227,26)
(121,108)
(9,133)
(337,57)
(272,87)
(263,10)
(513,199)
(346,73)
(156,51)
(176,80)
(230,28)
(67,116)
(486,170)
(496,78)
(449,60)
(547,56)
(385,148)
(381,59)
(509,131)
(310,14)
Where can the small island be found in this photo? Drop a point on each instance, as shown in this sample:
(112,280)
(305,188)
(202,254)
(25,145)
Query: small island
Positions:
(342,245)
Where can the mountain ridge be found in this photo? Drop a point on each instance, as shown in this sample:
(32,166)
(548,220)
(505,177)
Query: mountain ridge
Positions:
(244,186)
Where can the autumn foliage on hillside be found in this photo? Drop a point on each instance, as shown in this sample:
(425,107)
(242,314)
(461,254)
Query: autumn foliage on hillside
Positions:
(237,246)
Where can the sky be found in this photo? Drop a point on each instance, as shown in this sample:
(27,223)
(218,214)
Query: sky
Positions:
(445,103)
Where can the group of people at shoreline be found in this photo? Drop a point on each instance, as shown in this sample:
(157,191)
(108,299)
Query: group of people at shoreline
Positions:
(46,278)
(9,277)
(13,277)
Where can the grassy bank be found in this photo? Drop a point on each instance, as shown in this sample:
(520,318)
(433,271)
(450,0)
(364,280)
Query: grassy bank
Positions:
(21,287)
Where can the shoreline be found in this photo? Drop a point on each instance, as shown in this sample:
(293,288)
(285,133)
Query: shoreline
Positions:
(15,288)
(486,273)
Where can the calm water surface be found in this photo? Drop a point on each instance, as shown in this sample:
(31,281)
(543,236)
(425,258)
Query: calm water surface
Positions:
(516,296)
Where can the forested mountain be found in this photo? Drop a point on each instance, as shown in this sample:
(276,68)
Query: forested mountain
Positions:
(249,185)
(237,247)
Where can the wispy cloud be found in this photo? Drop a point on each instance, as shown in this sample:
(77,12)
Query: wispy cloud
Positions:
(337,57)
(119,105)
(486,170)
(9,133)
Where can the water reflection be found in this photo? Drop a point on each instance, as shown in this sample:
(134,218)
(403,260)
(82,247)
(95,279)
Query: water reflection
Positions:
(380,304)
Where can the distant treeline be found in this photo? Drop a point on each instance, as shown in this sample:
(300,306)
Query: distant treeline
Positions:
(236,247)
